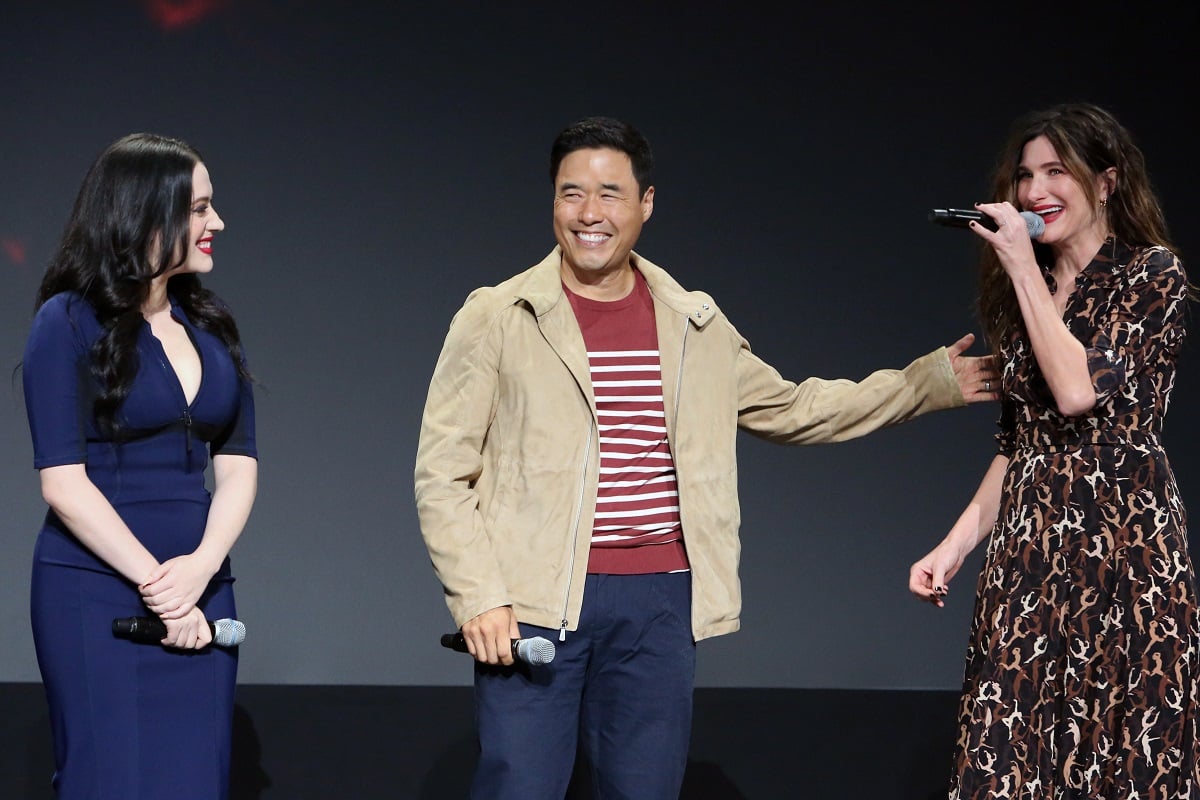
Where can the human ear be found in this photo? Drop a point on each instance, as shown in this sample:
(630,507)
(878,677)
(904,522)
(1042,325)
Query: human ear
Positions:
(647,203)
(1108,182)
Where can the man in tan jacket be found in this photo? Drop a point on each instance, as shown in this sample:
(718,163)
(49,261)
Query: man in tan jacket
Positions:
(576,479)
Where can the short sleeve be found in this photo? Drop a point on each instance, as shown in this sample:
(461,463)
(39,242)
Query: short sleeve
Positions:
(1147,319)
(54,375)
(237,437)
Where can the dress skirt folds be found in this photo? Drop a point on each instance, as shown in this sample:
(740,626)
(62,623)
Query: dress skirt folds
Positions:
(1082,679)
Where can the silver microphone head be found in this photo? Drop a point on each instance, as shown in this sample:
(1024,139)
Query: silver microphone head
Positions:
(228,632)
(536,651)
(1034,224)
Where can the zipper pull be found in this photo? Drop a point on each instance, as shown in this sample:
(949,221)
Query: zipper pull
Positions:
(187,430)
(562,631)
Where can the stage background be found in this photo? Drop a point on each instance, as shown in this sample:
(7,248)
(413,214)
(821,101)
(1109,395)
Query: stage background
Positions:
(375,162)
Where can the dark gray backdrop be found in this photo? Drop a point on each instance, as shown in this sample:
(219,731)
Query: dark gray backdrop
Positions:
(375,162)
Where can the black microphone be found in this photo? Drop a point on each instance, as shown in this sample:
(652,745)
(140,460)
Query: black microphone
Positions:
(963,217)
(151,630)
(533,651)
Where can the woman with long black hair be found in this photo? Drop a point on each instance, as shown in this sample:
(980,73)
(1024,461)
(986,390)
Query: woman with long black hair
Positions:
(133,374)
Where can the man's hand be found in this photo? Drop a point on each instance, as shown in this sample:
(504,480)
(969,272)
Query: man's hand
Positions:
(976,375)
(489,636)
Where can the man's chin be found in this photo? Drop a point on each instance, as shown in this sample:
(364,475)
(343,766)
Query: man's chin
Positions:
(594,263)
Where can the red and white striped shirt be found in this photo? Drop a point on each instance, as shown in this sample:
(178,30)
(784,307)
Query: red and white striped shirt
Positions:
(637,528)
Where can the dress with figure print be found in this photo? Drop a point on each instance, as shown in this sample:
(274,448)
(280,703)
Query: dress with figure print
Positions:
(1084,658)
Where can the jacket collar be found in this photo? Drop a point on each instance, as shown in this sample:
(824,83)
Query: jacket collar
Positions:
(542,289)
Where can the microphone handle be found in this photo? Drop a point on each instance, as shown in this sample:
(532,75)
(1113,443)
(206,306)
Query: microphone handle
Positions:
(535,651)
(152,630)
(963,217)
(457,643)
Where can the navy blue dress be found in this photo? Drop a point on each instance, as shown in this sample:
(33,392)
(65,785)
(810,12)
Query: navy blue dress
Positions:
(131,721)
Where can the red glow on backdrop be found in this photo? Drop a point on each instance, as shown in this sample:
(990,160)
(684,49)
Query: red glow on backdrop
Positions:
(13,249)
(174,15)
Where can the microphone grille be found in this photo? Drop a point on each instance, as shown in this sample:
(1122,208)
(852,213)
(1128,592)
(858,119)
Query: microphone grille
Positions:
(537,650)
(1034,224)
(229,632)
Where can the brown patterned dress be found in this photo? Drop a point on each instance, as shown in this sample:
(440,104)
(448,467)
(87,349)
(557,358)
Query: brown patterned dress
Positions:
(1083,669)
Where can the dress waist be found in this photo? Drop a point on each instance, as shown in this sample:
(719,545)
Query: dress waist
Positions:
(1137,440)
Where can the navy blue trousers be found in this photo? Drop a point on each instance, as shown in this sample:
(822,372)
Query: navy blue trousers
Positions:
(621,684)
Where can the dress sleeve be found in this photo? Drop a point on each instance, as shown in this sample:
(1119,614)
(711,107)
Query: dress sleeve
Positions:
(1147,319)
(237,438)
(54,374)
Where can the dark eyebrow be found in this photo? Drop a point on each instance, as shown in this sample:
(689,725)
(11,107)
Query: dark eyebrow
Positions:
(1042,165)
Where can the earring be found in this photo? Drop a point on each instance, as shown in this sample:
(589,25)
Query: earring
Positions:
(1103,202)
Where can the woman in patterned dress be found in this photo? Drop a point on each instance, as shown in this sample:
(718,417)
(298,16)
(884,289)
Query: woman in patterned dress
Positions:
(1082,668)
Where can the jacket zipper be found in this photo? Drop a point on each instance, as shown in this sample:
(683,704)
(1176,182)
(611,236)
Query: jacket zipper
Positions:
(587,453)
(687,323)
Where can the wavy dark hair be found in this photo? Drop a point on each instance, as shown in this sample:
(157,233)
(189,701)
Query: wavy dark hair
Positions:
(129,225)
(1088,140)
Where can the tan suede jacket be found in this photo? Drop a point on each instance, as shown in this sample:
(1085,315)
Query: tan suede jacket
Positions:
(507,463)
